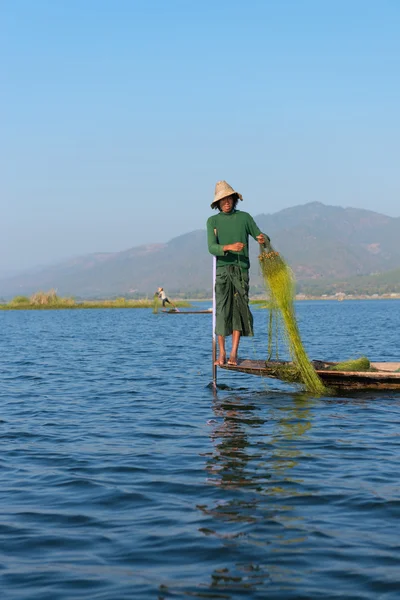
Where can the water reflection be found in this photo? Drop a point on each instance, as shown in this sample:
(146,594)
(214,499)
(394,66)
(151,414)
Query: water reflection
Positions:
(292,421)
(252,443)
(227,465)
(254,453)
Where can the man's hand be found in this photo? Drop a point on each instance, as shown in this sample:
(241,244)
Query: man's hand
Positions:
(261,238)
(236,247)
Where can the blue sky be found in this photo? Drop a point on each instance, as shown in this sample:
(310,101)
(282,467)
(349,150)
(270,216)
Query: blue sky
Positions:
(119,116)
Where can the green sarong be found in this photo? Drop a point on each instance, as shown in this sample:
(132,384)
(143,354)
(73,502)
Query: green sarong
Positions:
(232,301)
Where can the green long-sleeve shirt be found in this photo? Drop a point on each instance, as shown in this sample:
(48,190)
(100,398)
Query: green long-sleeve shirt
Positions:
(228,228)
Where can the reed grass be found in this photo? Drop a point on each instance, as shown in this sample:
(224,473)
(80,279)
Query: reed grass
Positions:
(49,299)
(20,300)
(280,283)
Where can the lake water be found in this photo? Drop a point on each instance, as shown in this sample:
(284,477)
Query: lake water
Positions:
(123,477)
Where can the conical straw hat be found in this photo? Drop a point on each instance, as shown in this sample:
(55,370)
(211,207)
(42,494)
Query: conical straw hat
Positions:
(222,190)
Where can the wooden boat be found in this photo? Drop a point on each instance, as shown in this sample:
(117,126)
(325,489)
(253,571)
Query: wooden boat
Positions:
(386,375)
(187,312)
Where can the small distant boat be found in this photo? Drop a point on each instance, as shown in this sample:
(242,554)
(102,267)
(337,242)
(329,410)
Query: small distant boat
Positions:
(187,312)
(386,375)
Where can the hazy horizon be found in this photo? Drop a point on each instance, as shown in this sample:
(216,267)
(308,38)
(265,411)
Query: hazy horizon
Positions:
(120,118)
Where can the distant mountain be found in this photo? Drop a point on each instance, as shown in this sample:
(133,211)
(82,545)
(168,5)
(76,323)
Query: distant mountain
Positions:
(329,241)
(319,242)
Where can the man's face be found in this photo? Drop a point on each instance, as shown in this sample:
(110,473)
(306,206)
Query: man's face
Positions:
(226,203)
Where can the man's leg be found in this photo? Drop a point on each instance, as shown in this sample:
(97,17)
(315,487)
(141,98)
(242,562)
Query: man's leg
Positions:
(170,303)
(235,345)
(221,354)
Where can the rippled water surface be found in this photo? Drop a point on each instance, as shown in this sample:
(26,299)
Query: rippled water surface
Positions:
(123,476)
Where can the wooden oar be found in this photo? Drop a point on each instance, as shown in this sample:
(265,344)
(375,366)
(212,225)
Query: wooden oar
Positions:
(214,337)
(214,318)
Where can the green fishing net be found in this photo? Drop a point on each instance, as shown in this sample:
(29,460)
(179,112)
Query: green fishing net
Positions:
(280,285)
(356,364)
(155,303)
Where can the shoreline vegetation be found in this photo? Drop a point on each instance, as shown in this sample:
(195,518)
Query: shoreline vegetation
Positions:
(51,301)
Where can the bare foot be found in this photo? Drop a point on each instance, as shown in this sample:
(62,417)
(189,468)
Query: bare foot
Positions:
(232,361)
(221,360)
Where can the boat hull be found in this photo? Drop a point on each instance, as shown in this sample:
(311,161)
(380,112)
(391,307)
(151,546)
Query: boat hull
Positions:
(187,312)
(385,377)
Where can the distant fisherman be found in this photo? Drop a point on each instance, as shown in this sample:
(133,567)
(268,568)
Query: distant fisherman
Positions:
(228,239)
(163,297)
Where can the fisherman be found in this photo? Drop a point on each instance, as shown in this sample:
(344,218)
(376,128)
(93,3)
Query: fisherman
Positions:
(228,239)
(163,297)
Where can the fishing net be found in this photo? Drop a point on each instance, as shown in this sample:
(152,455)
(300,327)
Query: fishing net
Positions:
(155,303)
(355,364)
(280,284)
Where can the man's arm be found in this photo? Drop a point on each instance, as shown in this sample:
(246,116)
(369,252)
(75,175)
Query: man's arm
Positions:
(212,239)
(256,232)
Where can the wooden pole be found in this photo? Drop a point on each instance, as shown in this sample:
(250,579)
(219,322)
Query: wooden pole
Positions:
(214,337)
